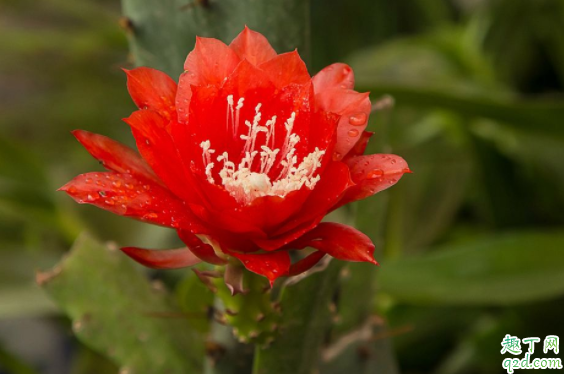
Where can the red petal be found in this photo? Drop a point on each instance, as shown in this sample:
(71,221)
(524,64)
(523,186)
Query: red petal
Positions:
(114,155)
(338,240)
(158,149)
(372,174)
(334,76)
(329,190)
(306,263)
(162,259)
(253,47)
(209,63)
(128,196)
(360,146)
(354,109)
(203,250)
(152,89)
(270,265)
(286,69)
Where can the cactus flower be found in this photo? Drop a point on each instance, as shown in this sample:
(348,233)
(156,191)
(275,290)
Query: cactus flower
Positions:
(243,158)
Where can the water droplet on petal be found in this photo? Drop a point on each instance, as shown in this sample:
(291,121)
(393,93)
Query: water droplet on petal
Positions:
(116,184)
(90,197)
(88,180)
(147,142)
(102,193)
(373,174)
(392,181)
(358,119)
(336,156)
(353,133)
(150,216)
(346,70)
(392,161)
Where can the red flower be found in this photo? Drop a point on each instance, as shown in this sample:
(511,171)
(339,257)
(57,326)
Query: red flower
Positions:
(243,158)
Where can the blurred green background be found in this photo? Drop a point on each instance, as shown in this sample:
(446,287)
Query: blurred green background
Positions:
(471,244)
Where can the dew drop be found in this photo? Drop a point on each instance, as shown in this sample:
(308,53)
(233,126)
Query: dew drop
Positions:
(150,216)
(102,193)
(147,187)
(110,202)
(353,133)
(392,181)
(116,184)
(392,161)
(373,174)
(346,70)
(90,197)
(129,186)
(147,142)
(336,156)
(358,119)
(88,180)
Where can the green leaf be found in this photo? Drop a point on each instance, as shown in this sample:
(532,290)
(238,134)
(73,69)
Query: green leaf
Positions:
(117,312)
(498,270)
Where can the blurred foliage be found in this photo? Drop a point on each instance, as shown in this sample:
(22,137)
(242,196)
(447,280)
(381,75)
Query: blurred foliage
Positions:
(126,315)
(471,244)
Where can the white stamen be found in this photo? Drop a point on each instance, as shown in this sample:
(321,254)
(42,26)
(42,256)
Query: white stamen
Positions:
(242,182)
(237,110)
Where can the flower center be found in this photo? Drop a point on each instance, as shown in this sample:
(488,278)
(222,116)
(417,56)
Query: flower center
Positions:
(249,179)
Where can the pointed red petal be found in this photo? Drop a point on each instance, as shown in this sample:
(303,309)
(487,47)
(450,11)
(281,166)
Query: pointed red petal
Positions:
(158,149)
(270,265)
(203,250)
(128,196)
(209,63)
(152,89)
(306,263)
(372,174)
(286,69)
(162,259)
(253,47)
(114,155)
(338,240)
(354,109)
(334,76)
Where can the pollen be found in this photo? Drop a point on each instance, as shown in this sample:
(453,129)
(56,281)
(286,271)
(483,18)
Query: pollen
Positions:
(249,180)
